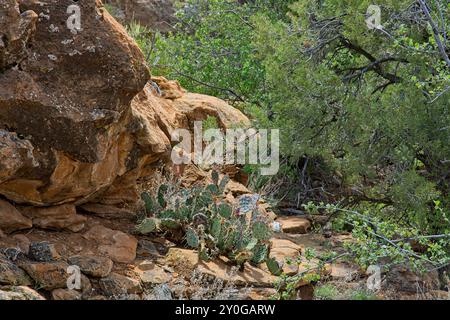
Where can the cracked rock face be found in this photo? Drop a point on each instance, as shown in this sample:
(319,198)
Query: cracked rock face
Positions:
(15,30)
(80,118)
(64,100)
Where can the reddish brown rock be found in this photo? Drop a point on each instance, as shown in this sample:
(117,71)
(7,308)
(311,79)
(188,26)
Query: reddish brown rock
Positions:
(16,29)
(68,98)
(401,278)
(293,224)
(150,274)
(119,246)
(287,254)
(22,242)
(104,210)
(10,274)
(47,275)
(82,122)
(117,284)
(344,271)
(64,294)
(56,218)
(11,219)
(93,266)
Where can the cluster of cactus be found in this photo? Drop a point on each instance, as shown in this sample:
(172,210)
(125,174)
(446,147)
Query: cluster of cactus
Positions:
(208,223)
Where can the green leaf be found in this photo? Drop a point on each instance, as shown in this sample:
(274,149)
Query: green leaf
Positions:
(167,214)
(148,201)
(252,244)
(203,255)
(215,177)
(223,183)
(192,238)
(261,231)
(274,267)
(214,189)
(216,228)
(260,253)
(147,226)
(170,224)
(225,210)
(162,194)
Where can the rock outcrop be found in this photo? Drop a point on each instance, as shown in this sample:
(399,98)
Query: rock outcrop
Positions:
(64,101)
(80,119)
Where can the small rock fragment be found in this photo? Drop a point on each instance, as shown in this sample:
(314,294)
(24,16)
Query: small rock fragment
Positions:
(117,284)
(43,252)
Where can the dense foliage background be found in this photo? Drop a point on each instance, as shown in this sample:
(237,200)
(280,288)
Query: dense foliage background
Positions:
(364,113)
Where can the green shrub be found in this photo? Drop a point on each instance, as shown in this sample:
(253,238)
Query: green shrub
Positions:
(366,109)
(362,295)
(326,292)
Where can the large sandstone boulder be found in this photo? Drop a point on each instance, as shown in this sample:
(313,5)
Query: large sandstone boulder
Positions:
(80,119)
(64,101)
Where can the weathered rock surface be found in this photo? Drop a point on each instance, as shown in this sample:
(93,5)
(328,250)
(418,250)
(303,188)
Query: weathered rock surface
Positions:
(286,253)
(19,293)
(293,224)
(11,219)
(22,243)
(344,271)
(47,275)
(10,274)
(117,284)
(94,266)
(117,245)
(81,125)
(43,252)
(187,261)
(403,279)
(16,29)
(64,294)
(150,274)
(154,249)
(56,218)
(67,103)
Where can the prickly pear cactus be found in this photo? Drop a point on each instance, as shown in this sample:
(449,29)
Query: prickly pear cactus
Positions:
(261,231)
(225,210)
(208,223)
(148,201)
(147,226)
(192,239)
(274,267)
(260,253)
(161,195)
